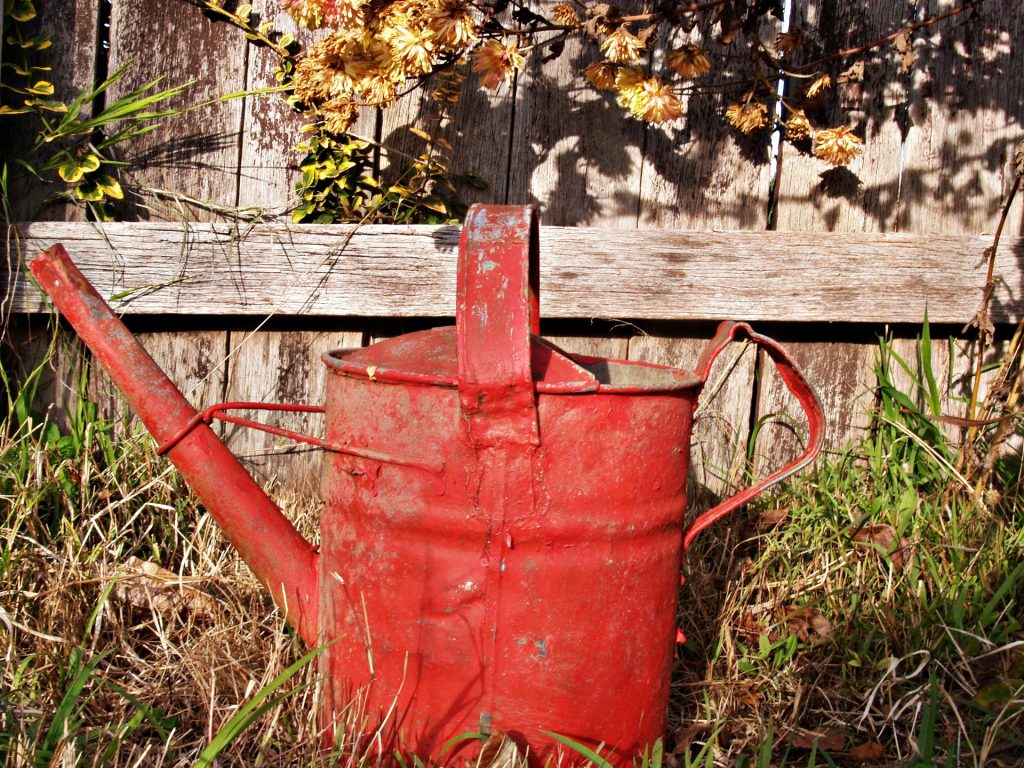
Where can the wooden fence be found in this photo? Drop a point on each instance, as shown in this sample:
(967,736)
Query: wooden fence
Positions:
(675,228)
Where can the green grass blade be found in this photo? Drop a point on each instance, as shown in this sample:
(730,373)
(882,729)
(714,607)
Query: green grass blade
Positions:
(582,749)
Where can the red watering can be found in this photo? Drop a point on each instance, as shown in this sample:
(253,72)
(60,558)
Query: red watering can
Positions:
(503,522)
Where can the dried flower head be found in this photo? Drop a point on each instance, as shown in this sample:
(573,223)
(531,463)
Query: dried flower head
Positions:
(565,14)
(747,116)
(622,46)
(653,101)
(798,127)
(601,74)
(338,115)
(818,86)
(451,25)
(789,42)
(837,146)
(339,14)
(412,52)
(628,80)
(688,60)
(496,61)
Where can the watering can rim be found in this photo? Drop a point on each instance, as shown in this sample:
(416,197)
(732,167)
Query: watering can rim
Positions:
(429,358)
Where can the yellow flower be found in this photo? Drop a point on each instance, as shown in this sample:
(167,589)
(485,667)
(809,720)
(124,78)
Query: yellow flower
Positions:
(798,127)
(837,146)
(340,14)
(622,46)
(820,84)
(653,101)
(688,61)
(411,53)
(338,115)
(747,117)
(497,60)
(451,25)
(788,42)
(565,14)
(601,74)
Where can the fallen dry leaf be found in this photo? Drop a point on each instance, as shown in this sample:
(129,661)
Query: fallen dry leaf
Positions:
(868,752)
(144,584)
(884,539)
(830,740)
(809,625)
(772,517)
(500,751)
(749,628)
(905,48)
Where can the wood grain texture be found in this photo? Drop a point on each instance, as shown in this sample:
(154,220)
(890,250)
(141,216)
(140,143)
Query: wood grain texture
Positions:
(864,196)
(194,361)
(194,155)
(575,152)
(477,128)
(268,163)
(967,114)
(281,367)
(698,173)
(410,272)
(843,377)
(72,27)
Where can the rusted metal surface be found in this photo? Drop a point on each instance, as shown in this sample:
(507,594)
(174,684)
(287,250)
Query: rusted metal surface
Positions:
(503,521)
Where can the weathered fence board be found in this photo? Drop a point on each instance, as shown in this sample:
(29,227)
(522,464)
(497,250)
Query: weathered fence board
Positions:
(389,271)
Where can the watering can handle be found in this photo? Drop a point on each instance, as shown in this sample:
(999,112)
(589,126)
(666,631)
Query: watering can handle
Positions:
(796,383)
(497,311)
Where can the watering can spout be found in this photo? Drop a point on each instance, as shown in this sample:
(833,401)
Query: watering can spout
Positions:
(279,556)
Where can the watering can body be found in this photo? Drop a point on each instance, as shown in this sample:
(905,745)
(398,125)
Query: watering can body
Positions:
(503,522)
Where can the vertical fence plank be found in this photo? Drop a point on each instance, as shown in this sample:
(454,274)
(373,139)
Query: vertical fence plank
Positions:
(72,27)
(575,151)
(814,196)
(967,114)
(476,127)
(282,367)
(193,361)
(193,156)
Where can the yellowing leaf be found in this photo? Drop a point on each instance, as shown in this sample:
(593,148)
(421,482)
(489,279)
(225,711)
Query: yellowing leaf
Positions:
(42,88)
(70,171)
(111,187)
(422,134)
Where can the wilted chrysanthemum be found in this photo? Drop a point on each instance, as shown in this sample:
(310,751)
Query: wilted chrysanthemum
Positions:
(340,14)
(338,115)
(688,60)
(788,42)
(411,52)
(819,85)
(747,117)
(837,146)
(565,14)
(451,25)
(497,60)
(653,101)
(622,46)
(798,127)
(601,74)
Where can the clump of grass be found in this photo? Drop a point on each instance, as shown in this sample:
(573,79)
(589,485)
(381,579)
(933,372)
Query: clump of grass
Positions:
(868,614)
(109,663)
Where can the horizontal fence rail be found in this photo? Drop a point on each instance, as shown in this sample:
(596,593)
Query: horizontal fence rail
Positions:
(409,271)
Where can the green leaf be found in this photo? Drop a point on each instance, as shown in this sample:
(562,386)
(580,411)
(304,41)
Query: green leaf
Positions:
(111,187)
(70,171)
(23,10)
(42,88)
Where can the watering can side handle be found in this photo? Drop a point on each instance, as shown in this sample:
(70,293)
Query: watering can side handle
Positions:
(801,389)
